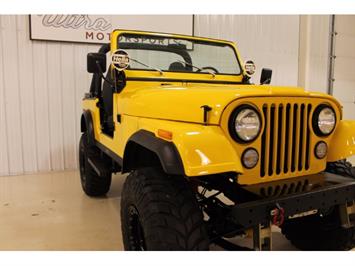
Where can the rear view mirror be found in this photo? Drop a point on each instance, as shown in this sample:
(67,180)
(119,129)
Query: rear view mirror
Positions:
(96,63)
(266,75)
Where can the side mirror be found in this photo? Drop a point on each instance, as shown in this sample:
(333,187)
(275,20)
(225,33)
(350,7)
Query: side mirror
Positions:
(96,63)
(266,74)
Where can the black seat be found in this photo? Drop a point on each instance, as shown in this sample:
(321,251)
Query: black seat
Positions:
(177,66)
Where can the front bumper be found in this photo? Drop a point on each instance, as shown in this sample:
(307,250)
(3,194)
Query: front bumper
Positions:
(336,191)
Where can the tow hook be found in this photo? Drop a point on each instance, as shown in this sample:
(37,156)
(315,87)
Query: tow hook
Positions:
(278,215)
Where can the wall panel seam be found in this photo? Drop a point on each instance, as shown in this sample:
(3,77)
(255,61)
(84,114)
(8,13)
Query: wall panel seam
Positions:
(61,104)
(19,97)
(48,110)
(34,107)
(75,103)
(4,97)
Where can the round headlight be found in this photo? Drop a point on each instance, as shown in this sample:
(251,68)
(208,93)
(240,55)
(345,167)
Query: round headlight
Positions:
(324,120)
(321,150)
(250,158)
(245,124)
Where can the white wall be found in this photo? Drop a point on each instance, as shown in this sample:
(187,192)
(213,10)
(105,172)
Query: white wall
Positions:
(314,52)
(270,41)
(42,83)
(344,64)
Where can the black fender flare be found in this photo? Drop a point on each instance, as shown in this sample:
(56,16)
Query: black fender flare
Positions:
(87,125)
(166,151)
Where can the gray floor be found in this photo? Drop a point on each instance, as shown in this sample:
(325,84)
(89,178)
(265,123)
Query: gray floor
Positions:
(50,212)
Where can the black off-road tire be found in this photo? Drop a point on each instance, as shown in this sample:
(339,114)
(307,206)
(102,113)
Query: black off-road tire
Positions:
(322,233)
(319,233)
(160,212)
(92,184)
(341,167)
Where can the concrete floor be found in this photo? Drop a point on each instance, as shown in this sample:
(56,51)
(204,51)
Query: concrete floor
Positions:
(50,212)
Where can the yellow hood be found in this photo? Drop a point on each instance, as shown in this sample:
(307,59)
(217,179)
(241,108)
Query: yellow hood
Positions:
(183,102)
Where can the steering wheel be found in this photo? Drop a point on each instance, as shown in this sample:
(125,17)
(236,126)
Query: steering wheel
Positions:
(206,68)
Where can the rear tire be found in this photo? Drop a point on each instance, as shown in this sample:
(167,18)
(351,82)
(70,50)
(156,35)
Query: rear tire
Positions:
(160,212)
(92,184)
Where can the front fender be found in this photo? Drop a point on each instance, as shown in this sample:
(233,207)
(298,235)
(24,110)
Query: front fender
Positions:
(88,126)
(204,150)
(343,142)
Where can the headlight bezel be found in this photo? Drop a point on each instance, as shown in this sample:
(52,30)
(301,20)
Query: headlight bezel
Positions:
(232,121)
(315,120)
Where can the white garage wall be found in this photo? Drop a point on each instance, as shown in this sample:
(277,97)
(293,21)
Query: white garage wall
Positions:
(270,41)
(314,52)
(42,83)
(344,70)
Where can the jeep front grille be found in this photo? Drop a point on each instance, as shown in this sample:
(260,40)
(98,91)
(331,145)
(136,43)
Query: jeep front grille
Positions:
(285,145)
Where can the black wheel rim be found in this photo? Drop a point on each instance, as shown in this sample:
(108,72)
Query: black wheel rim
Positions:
(136,234)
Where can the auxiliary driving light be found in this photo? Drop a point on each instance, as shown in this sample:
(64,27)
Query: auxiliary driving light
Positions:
(321,150)
(250,158)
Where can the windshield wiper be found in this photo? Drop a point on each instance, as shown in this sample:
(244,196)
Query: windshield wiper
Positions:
(143,64)
(198,68)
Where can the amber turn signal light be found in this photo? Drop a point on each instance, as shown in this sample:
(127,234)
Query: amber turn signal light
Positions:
(165,134)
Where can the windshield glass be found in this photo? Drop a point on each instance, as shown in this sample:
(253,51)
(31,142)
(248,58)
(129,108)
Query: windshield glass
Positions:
(179,55)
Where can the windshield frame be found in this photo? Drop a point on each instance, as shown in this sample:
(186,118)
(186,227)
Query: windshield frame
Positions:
(206,41)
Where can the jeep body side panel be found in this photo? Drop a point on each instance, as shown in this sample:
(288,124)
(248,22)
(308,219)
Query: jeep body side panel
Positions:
(204,150)
(343,142)
(90,105)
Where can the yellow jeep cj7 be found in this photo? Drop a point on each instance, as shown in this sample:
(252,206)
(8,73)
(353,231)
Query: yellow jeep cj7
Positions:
(210,155)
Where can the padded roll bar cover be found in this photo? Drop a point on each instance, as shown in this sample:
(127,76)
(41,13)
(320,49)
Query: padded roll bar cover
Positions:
(105,48)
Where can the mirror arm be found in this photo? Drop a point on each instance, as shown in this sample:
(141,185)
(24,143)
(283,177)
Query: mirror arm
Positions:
(92,87)
(246,79)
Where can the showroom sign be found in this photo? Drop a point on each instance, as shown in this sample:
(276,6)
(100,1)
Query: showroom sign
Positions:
(97,28)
